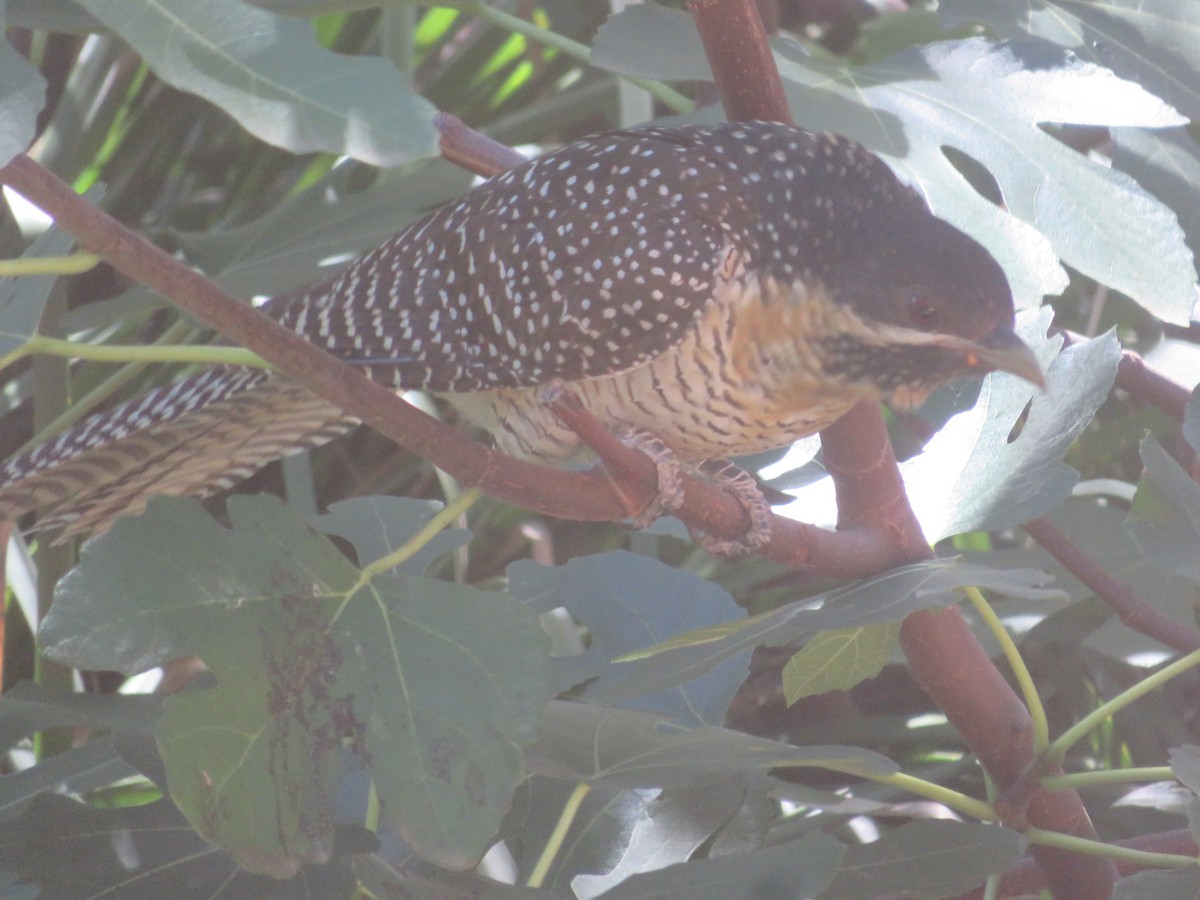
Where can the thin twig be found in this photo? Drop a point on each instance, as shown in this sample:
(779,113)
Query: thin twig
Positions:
(1133,611)
(1143,381)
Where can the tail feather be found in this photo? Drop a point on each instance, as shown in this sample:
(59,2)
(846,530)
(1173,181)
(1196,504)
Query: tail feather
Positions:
(194,437)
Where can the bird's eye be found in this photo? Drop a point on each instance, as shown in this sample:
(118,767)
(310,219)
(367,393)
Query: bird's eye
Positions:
(923,311)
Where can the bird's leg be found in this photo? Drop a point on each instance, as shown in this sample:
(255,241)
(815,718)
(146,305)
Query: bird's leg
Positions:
(638,486)
(632,486)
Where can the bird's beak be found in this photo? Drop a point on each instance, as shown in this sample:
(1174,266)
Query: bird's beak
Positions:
(1001,349)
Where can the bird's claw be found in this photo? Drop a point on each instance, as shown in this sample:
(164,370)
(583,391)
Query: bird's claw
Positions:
(669,496)
(736,481)
(745,489)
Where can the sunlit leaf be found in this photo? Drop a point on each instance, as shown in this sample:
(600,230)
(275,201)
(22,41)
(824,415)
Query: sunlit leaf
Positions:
(971,478)
(838,660)
(1153,42)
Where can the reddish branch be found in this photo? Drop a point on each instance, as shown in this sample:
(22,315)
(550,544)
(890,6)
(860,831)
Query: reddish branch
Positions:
(1143,381)
(473,151)
(944,656)
(1134,612)
(741,60)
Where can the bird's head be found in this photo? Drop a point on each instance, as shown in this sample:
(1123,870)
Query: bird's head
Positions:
(933,305)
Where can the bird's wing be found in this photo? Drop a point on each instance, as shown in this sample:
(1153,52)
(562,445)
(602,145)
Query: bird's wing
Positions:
(580,263)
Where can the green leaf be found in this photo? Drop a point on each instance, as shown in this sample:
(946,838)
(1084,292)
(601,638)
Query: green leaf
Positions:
(628,602)
(888,597)
(1166,162)
(1153,42)
(838,660)
(647,40)
(270,73)
(89,767)
(1182,884)
(1185,763)
(799,869)
(970,478)
(1103,532)
(51,15)
(21,99)
(1165,516)
(929,859)
(437,684)
(1191,420)
(377,526)
(601,829)
(669,829)
(27,707)
(74,851)
(632,749)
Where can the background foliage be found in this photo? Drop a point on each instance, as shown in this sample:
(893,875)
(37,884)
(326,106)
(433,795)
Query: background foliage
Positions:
(370,724)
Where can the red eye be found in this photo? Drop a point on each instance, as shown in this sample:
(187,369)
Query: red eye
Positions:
(923,311)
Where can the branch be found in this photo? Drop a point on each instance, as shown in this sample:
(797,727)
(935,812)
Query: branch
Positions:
(741,60)
(1143,381)
(1133,611)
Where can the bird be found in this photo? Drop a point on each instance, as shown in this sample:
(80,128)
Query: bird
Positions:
(725,289)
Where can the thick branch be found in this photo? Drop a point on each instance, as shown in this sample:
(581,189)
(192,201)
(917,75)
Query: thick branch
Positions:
(740,56)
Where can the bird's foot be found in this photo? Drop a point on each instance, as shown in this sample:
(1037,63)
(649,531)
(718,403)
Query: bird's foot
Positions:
(670,476)
(668,492)
(745,489)
(737,481)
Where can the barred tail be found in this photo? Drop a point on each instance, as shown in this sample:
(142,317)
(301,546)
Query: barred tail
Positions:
(193,437)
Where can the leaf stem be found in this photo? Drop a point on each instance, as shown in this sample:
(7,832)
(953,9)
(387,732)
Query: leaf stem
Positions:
(72,264)
(959,802)
(1058,749)
(445,516)
(123,353)
(1110,776)
(1109,851)
(555,842)
(1037,712)
(101,392)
